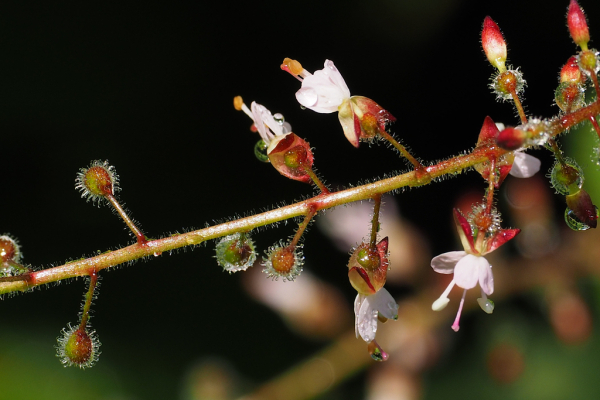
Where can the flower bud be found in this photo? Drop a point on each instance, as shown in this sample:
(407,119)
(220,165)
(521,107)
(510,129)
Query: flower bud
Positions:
(568,178)
(589,62)
(97,181)
(570,72)
(569,96)
(291,156)
(78,347)
(235,252)
(508,83)
(582,210)
(283,262)
(577,24)
(368,267)
(493,44)
(487,135)
(511,138)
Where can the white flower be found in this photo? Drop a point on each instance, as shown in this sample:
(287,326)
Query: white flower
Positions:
(470,266)
(366,309)
(324,91)
(468,269)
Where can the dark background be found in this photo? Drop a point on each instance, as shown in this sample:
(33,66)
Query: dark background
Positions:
(149,87)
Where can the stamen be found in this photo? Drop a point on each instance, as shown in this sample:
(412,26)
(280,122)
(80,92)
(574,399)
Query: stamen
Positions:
(486,304)
(455,326)
(294,68)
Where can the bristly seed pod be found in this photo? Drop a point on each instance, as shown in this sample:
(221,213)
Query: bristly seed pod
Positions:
(9,249)
(78,347)
(235,252)
(97,181)
(283,262)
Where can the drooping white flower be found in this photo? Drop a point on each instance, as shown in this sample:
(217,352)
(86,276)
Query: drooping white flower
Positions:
(366,310)
(470,267)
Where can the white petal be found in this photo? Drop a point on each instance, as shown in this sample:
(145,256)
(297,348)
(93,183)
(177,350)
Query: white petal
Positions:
(445,263)
(383,302)
(263,120)
(366,318)
(323,91)
(360,298)
(486,278)
(524,166)
(466,272)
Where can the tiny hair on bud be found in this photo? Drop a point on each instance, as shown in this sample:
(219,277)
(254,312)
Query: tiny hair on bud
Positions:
(97,182)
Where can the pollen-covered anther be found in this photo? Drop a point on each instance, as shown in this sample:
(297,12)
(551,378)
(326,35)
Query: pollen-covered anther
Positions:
(238,102)
(98,181)
(292,66)
(78,347)
(283,262)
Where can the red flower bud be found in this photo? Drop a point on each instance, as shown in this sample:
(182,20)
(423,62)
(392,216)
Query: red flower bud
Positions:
(571,72)
(493,44)
(578,25)
(291,156)
(511,138)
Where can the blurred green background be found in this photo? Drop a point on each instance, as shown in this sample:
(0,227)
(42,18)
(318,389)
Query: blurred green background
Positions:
(149,86)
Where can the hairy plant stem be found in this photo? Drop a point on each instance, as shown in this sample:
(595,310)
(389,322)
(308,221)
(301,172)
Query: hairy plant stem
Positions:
(89,296)
(519,107)
(375,221)
(321,202)
(128,221)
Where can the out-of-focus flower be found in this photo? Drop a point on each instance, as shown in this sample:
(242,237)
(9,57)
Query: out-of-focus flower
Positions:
(516,163)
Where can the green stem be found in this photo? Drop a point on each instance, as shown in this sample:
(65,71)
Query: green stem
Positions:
(317,203)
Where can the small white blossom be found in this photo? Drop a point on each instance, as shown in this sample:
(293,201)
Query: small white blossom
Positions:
(366,309)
